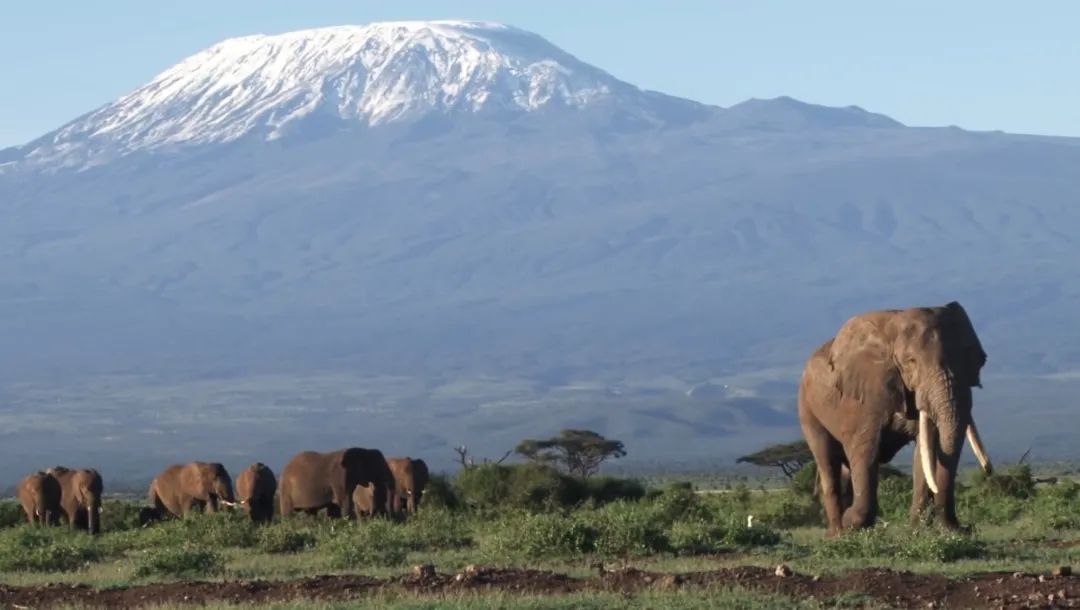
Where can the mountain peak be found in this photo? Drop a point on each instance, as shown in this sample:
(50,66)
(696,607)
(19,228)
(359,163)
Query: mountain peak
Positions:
(784,113)
(272,86)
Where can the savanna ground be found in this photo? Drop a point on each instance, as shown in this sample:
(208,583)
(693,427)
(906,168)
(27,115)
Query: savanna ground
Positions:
(526,537)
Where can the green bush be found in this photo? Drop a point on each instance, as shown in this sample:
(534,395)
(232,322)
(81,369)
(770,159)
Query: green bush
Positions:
(434,529)
(894,498)
(739,534)
(11,513)
(31,549)
(1057,507)
(697,537)
(627,529)
(539,535)
(186,561)
(604,490)
(375,543)
(1013,482)
(785,509)
(119,516)
(804,482)
(439,493)
(537,487)
(285,538)
(921,545)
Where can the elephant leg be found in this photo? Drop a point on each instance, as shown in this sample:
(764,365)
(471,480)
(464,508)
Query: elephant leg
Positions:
(828,455)
(920,491)
(862,462)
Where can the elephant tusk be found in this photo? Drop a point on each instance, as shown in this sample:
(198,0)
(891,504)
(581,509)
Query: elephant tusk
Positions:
(926,452)
(977,446)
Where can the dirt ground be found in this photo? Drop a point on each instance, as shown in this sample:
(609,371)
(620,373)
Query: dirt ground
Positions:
(896,589)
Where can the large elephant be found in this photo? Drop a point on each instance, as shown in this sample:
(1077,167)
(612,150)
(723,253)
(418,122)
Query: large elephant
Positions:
(255,489)
(39,496)
(80,496)
(887,378)
(181,487)
(410,478)
(313,481)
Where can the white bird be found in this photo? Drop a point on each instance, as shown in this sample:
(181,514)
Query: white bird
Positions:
(749,520)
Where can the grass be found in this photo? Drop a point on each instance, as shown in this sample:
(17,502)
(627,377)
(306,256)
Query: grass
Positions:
(671,529)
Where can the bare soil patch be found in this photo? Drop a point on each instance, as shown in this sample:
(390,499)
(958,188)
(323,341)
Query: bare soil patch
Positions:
(892,588)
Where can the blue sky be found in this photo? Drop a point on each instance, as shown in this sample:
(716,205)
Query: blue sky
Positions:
(980,65)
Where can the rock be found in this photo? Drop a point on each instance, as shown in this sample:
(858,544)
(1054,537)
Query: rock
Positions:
(1042,577)
(472,569)
(816,578)
(424,571)
(783,571)
(1018,574)
(1063,571)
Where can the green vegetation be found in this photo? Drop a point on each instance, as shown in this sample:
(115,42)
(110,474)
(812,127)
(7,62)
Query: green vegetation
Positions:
(532,515)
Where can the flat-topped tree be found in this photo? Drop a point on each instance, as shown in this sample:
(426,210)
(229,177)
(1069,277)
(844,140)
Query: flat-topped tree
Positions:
(579,452)
(789,457)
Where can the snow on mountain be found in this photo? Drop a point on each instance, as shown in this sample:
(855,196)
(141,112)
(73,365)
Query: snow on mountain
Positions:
(367,75)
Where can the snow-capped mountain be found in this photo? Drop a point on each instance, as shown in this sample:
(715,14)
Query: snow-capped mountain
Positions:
(498,240)
(271,86)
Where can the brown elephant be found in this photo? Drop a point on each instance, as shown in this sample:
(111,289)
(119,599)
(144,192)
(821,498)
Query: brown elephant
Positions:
(410,478)
(39,496)
(887,378)
(255,489)
(313,481)
(363,498)
(80,496)
(181,487)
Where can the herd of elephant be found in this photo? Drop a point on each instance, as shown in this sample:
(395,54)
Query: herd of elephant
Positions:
(349,483)
(888,378)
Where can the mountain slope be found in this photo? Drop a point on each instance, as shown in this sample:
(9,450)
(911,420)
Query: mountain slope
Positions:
(491,267)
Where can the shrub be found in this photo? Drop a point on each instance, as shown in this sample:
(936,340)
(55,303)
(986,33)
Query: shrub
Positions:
(697,537)
(1057,507)
(284,538)
(786,509)
(804,481)
(378,542)
(11,513)
(739,534)
(921,545)
(627,529)
(604,490)
(29,549)
(1014,482)
(677,501)
(535,536)
(119,516)
(180,562)
(439,493)
(436,529)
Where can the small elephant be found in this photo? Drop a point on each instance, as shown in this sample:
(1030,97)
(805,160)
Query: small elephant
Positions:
(80,496)
(410,478)
(364,500)
(255,489)
(181,487)
(39,496)
(887,378)
(314,481)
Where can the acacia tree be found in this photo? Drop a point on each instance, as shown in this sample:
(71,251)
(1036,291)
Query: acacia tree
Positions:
(579,452)
(790,457)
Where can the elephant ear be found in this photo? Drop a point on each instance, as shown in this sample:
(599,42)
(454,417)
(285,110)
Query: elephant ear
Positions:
(973,356)
(861,357)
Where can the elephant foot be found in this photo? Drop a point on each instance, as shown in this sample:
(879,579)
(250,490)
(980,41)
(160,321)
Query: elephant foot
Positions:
(856,519)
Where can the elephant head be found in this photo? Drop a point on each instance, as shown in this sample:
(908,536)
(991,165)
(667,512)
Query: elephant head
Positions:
(934,356)
(210,482)
(410,478)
